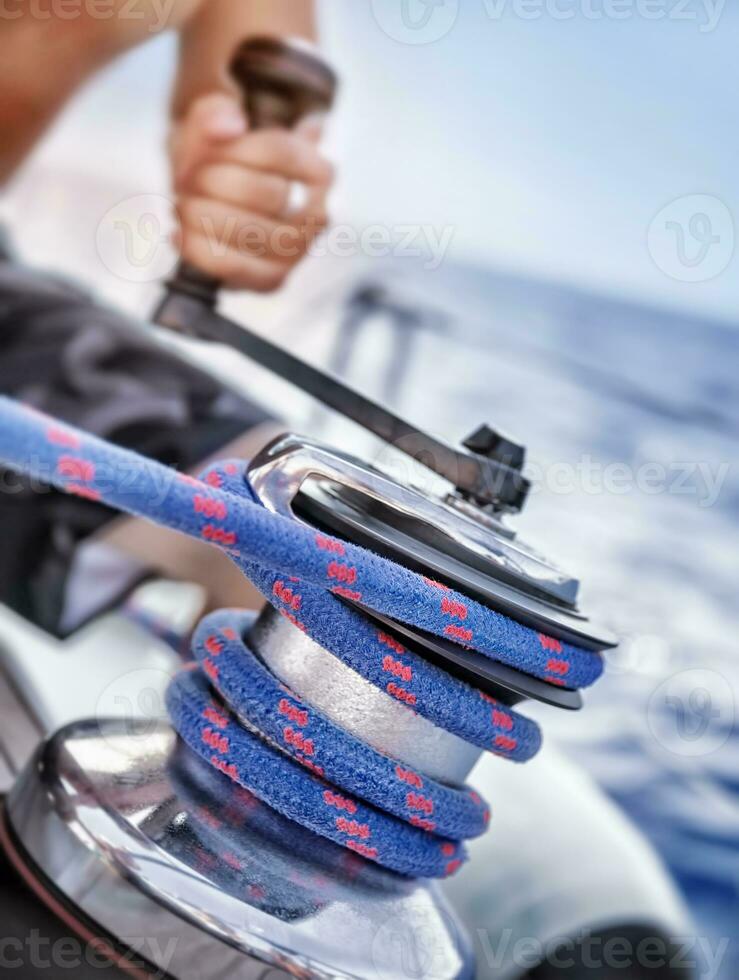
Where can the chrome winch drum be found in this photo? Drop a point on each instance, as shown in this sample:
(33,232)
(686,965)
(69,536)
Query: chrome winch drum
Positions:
(464,546)
(297,477)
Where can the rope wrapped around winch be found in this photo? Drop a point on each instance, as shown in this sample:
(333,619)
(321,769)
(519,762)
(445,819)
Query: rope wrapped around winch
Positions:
(236,715)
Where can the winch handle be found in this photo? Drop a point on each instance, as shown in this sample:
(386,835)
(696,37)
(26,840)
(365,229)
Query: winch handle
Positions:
(282,82)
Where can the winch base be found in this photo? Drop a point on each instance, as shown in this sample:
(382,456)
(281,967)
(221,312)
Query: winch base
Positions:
(201,879)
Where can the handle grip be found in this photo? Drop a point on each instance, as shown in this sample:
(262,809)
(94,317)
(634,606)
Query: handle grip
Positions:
(282,83)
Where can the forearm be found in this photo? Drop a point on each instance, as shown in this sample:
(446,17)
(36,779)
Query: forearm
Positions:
(211,36)
(45,59)
(30,96)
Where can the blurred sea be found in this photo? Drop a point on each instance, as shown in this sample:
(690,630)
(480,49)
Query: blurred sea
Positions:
(631,418)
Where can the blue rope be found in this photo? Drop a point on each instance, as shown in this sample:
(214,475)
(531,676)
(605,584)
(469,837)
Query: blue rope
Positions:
(301,763)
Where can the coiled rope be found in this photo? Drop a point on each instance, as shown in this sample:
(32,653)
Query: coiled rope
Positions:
(237,716)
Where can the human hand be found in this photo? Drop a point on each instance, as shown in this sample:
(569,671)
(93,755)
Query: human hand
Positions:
(233,188)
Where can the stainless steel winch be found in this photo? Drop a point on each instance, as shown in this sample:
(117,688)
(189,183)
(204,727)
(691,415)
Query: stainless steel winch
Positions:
(104,827)
(296,477)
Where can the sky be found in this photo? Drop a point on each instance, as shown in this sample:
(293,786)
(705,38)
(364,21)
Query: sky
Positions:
(597,149)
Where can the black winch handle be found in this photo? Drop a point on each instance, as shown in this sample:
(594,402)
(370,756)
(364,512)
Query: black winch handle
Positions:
(283,82)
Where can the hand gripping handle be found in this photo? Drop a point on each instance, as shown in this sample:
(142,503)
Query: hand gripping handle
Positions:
(282,82)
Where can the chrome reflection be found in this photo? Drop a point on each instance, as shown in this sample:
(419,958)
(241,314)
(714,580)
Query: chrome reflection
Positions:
(148,840)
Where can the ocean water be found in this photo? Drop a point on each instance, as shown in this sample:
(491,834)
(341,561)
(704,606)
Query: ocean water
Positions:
(631,418)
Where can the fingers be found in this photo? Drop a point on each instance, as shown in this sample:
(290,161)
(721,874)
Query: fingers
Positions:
(244,249)
(251,190)
(279,152)
(212,121)
(251,232)
(215,132)
(235,195)
(234,268)
(311,128)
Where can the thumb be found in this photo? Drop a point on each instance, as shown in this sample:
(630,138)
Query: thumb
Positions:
(311,127)
(211,119)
